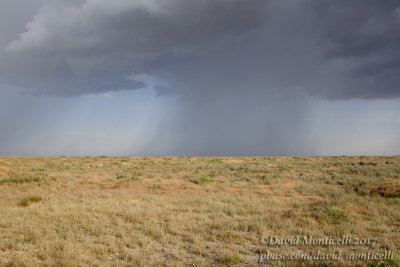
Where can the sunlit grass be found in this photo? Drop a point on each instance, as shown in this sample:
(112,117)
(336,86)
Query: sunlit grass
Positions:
(191,211)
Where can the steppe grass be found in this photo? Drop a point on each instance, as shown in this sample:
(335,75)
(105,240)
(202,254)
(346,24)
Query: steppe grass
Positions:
(193,211)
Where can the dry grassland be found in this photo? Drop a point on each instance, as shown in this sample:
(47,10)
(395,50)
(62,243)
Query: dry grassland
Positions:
(191,211)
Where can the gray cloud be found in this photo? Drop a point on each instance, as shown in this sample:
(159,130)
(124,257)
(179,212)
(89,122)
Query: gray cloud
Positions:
(162,90)
(362,38)
(243,71)
(98,38)
(336,50)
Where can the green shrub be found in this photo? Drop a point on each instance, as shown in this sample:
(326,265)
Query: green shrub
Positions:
(329,213)
(202,179)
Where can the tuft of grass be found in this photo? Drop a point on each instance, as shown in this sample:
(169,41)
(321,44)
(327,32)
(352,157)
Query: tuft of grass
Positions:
(28,200)
(121,176)
(329,213)
(203,179)
(391,262)
(267,180)
(134,178)
(231,259)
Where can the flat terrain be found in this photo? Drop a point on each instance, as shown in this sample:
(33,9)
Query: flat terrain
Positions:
(194,211)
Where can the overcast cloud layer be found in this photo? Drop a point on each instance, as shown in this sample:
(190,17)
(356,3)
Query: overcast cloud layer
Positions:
(243,71)
(333,49)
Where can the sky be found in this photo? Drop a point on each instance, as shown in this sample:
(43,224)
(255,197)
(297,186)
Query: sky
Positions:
(199,77)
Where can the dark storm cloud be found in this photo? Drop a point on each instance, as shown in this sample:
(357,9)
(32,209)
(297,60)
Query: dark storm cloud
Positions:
(359,28)
(333,49)
(241,71)
(101,38)
(364,37)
